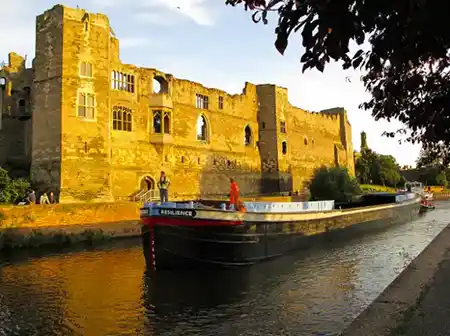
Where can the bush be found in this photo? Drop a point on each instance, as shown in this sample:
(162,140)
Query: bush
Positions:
(12,191)
(333,184)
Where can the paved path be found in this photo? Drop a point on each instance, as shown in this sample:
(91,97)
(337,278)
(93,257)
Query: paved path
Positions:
(417,302)
(431,317)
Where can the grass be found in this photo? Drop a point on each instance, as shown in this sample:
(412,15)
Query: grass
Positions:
(376,188)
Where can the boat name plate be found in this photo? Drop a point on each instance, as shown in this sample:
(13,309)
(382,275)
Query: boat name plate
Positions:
(177,212)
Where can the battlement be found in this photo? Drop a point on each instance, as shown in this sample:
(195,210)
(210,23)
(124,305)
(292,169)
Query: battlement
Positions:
(78,14)
(105,129)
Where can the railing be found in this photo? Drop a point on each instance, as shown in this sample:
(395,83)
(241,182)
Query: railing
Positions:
(138,196)
(146,195)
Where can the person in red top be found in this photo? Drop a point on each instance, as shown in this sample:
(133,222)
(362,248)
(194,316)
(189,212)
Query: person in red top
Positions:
(235,197)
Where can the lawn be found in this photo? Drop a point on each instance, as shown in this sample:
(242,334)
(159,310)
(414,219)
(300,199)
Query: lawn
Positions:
(376,188)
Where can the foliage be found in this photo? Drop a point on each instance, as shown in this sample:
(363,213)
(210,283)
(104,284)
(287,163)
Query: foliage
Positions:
(365,166)
(433,165)
(433,175)
(333,184)
(407,63)
(11,190)
(368,188)
(374,168)
(378,169)
(386,171)
(435,156)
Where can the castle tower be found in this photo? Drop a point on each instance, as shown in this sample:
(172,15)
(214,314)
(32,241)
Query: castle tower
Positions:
(71,123)
(275,169)
(364,145)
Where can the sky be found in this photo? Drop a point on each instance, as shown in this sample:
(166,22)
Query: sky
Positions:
(218,46)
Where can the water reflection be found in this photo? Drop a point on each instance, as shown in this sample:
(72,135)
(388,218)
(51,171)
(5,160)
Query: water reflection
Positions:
(106,291)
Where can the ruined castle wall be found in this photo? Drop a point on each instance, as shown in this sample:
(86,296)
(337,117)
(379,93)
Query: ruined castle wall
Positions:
(15,130)
(47,100)
(85,133)
(196,168)
(311,140)
(104,152)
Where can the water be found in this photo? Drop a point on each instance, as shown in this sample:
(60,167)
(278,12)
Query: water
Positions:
(105,291)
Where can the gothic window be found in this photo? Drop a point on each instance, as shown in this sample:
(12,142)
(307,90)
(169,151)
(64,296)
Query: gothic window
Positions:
(202,129)
(247,136)
(202,102)
(220,103)
(86,69)
(161,122)
(284,147)
(86,105)
(157,122)
(282,126)
(122,119)
(122,81)
(166,123)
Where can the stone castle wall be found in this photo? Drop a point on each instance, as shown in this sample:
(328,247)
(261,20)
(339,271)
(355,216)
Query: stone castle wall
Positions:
(104,152)
(15,124)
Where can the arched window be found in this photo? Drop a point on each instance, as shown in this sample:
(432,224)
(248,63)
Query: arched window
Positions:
(161,122)
(305,141)
(202,129)
(247,136)
(284,147)
(166,123)
(122,119)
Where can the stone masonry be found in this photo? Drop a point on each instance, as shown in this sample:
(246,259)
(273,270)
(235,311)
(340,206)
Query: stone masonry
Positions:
(102,130)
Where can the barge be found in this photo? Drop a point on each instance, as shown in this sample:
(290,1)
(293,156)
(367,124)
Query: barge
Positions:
(203,233)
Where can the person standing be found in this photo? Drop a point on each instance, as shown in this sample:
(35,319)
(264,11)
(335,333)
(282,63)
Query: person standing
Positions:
(51,198)
(163,185)
(235,198)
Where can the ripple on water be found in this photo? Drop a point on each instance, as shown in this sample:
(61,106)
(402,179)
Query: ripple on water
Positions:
(105,291)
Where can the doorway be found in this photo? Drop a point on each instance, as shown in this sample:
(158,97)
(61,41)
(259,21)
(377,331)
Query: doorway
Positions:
(147,183)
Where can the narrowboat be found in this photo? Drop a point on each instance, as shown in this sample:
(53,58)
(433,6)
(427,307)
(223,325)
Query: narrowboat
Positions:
(204,233)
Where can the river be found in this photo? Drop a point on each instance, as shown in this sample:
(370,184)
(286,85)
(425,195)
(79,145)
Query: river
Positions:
(106,291)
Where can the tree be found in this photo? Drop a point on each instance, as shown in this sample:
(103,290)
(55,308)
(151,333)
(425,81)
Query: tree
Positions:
(441,179)
(407,65)
(429,157)
(386,171)
(365,165)
(433,175)
(333,184)
(11,190)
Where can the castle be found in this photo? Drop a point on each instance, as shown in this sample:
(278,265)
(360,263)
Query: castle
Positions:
(86,126)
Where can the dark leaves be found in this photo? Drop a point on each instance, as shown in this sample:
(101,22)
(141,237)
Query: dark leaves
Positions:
(407,66)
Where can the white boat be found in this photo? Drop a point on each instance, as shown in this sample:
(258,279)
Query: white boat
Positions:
(418,188)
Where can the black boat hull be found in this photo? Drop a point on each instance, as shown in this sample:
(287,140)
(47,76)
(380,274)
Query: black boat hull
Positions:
(178,247)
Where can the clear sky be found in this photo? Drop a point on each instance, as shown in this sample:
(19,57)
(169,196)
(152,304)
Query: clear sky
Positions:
(219,46)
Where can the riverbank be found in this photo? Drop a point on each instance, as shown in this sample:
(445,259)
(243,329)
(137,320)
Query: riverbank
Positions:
(417,302)
(37,225)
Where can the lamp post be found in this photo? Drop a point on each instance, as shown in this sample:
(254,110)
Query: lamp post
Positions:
(2,98)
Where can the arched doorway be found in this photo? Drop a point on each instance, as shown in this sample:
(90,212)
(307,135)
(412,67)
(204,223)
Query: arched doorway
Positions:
(147,183)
